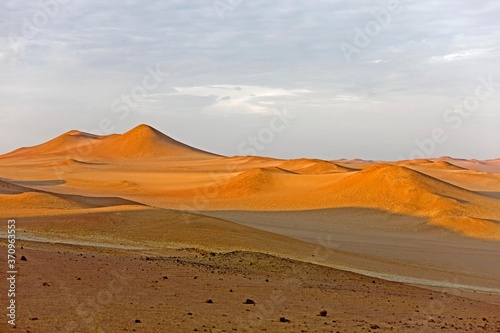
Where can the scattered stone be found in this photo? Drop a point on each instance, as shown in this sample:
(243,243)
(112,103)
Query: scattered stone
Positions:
(165,277)
(374,327)
(323,313)
(34,318)
(23,258)
(137,321)
(284,320)
(249,301)
(209,301)
(46,284)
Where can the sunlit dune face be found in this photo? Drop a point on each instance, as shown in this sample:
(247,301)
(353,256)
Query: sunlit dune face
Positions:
(149,168)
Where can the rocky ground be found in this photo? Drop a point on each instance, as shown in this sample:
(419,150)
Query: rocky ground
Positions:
(67,288)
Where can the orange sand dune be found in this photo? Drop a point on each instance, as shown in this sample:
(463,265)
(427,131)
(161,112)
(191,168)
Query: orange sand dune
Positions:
(446,165)
(395,187)
(402,190)
(143,165)
(17,200)
(140,142)
(484,166)
(312,166)
(73,142)
(414,162)
(146,142)
(437,164)
(255,181)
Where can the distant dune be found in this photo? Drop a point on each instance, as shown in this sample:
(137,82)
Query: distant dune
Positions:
(146,142)
(484,166)
(140,142)
(74,142)
(254,181)
(312,166)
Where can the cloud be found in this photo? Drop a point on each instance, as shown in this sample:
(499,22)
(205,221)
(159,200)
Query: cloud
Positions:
(463,55)
(231,99)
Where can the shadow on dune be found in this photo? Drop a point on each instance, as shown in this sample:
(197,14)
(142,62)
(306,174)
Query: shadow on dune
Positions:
(35,183)
(494,195)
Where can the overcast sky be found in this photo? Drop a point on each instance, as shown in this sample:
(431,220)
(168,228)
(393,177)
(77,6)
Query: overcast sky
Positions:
(327,79)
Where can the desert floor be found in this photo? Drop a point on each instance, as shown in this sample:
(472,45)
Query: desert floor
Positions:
(68,288)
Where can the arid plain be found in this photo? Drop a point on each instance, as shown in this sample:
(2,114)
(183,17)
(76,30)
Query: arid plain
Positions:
(139,232)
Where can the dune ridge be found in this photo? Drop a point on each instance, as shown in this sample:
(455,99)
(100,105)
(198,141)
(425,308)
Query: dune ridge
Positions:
(312,166)
(142,141)
(72,141)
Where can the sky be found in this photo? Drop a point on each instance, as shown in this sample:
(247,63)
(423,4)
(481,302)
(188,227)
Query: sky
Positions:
(383,80)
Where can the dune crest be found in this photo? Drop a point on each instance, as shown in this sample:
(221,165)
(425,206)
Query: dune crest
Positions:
(254,181)
(142,141)
(400,189)
(312,166)
(72,142)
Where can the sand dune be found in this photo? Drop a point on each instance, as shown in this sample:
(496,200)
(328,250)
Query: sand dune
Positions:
(447,165)
(142,141)
(437,164)
(401,190)
(73,143)
(484,166)
(255,181)
(144,165)
(146,142)
(20,200)
(395,187)
(312,166)
(73,163)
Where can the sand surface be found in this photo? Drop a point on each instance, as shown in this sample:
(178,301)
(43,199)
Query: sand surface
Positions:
(91,289)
